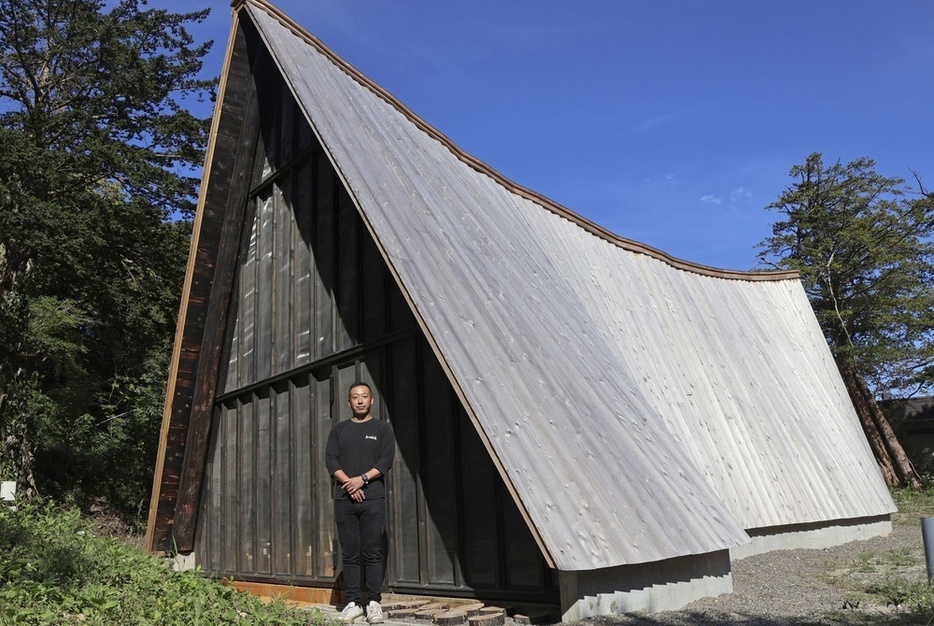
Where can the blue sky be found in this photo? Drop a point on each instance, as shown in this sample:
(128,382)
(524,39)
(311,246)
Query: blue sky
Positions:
(670,122)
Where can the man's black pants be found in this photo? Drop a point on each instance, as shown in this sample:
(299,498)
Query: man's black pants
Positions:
(360,529)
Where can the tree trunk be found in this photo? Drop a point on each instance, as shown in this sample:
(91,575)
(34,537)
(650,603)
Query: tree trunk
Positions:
(895,465)
(16,449)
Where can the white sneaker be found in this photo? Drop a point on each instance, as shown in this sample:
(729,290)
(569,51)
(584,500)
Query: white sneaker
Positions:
(374,612)
(351,612)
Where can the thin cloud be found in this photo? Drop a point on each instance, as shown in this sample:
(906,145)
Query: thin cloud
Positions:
(660,120)
(739,193)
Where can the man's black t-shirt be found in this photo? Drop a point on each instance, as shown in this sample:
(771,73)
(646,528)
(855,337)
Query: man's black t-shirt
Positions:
(357,447)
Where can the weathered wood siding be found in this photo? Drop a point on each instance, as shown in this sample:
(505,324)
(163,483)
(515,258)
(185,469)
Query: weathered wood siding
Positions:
(637,411)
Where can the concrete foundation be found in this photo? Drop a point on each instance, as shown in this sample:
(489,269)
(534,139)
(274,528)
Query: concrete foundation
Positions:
(650,587)
(813,536)
(674,583)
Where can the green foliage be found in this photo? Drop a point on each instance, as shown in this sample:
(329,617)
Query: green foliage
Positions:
(912,600)
(890,578)
(913,504)
(862,243)
(97,188)
(53,570)
(101,93)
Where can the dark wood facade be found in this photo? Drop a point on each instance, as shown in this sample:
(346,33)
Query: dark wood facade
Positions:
(302,305)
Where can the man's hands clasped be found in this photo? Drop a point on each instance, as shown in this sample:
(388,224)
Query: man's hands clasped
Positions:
(354,488)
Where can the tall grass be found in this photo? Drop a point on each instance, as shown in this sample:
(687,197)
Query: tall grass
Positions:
(54,570)
(911,598)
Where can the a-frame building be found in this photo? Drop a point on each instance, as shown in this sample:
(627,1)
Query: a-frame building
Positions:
(581,419)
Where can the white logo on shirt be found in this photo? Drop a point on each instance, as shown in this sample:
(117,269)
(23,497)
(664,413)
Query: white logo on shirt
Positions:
(373,437)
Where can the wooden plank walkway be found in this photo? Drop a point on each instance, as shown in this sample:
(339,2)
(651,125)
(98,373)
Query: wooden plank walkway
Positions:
(452,613)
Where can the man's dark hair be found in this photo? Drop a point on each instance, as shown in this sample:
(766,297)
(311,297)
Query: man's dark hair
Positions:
(359,383)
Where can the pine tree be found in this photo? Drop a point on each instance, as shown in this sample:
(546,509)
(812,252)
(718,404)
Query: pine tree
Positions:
(862,244)
(98,163)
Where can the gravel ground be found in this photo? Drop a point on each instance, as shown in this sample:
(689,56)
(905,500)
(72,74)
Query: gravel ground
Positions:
(802,586)
(797,587)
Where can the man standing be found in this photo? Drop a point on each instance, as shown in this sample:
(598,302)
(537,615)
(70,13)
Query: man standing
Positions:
(358,455)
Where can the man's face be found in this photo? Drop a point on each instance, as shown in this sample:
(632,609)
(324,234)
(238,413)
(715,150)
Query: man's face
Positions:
(360,400)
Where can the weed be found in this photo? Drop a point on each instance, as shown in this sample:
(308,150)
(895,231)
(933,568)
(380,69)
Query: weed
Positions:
(898,558)
(912,505)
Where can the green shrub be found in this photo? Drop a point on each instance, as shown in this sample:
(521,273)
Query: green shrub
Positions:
(54,570)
